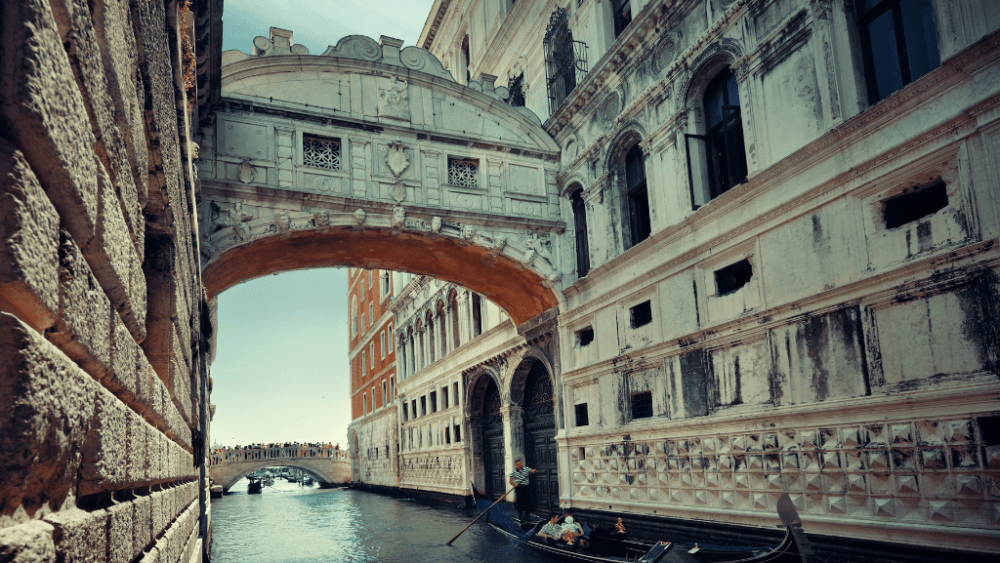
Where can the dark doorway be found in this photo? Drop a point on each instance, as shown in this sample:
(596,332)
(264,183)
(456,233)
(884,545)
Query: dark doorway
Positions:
(540,439)
(493,448)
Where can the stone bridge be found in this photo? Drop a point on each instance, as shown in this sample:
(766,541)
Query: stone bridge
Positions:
(327,465)
(367,152)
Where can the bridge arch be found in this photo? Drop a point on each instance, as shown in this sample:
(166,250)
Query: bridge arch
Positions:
(372,156)
(239,470)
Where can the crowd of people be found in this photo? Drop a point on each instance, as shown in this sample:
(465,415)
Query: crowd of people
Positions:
(276,450)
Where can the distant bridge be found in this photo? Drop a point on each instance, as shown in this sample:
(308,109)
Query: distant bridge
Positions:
(327,465)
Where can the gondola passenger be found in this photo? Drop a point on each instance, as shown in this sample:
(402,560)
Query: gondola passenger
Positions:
(552,530)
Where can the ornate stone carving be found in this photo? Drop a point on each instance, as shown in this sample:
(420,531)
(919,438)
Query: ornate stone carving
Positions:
(284,224)
(397,160)
(394,102)
(231,216)
(359,216)
(436,225)
(242,231)
(468,233)
(398,219)
(246,171)
(322,221)
(499,242)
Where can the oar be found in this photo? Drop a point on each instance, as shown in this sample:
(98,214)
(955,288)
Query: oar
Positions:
(480,516)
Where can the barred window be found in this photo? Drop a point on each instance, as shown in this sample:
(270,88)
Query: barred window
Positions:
(463,172)
(321,152)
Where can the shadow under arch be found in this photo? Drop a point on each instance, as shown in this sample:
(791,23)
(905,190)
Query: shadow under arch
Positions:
(319,475)
(521,291)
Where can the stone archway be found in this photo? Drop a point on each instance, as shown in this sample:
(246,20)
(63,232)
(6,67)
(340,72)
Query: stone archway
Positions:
(535,416)
(486,430)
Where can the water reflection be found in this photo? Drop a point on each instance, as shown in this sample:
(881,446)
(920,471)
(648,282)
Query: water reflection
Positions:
(291,523)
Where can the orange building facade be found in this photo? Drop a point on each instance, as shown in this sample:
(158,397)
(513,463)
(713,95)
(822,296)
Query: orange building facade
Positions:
(372,353)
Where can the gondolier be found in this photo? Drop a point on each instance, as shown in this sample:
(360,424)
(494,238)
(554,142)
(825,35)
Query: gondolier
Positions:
(520,478)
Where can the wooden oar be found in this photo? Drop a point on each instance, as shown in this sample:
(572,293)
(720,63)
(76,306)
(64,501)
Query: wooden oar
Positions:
(480,516)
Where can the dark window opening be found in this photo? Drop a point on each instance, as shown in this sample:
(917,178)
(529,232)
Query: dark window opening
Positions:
(477,315)
(622,15)
(899,43)
(582,242)
(458,433)
(466,59)
(582,416)
(733,277)
(444,397)
(637,196)
(642,404)
(447,435)
(642,314)
(423,405)
(583,453)
(515,85)
(717,160)
(912,206)
(989,430)
(585,336)
(406,413)
(434,402)
(413,409)
(454,387)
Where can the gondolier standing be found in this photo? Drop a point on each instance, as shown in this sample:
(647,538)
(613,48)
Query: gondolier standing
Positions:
(520,478)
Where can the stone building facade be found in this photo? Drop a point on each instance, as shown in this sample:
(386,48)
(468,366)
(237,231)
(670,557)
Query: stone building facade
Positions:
(103,320)
(786,260)
(372,436)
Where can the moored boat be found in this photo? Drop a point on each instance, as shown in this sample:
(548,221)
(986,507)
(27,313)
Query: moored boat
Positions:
(602,547)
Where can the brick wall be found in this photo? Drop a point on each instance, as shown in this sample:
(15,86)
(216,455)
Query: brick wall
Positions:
(99,298)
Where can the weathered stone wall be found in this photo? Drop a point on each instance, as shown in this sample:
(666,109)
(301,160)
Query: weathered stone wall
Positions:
(99,293)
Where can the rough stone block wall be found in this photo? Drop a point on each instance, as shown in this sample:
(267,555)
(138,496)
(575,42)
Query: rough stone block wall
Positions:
(99,299)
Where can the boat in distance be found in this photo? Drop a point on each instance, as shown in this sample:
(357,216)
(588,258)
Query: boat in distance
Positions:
(603,547)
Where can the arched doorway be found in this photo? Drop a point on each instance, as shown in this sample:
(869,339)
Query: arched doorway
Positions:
(540,438)
(493,445)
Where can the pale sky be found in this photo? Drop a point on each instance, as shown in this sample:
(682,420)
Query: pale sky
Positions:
(281,371)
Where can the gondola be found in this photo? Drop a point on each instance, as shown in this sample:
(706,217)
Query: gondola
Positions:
(604,548)
(255,486)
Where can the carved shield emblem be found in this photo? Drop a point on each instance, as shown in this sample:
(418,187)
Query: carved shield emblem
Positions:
(396,158)
(246,171)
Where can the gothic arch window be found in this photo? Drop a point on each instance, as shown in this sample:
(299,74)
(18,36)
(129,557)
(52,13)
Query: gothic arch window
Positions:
(443,329)
(431,352)
(492,402)
(636,196)
(717,159)
(899,43)
(455,326)
(580,228)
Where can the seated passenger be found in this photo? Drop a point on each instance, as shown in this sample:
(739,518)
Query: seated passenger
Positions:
(551,530)
(571,531)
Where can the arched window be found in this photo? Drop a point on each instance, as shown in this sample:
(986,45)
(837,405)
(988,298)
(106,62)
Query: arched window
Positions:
(636,196)
(442,318)
(431,352)
(466,60)
(455,327)
(477,315)
(717,160)
(582,244)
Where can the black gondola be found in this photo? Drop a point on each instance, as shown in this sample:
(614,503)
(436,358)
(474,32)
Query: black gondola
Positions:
(605,548)
(255,486)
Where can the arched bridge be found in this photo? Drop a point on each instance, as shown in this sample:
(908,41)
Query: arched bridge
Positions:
(372,156)
(327,465)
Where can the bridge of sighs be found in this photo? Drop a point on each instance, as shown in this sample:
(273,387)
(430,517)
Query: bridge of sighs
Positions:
(372,156)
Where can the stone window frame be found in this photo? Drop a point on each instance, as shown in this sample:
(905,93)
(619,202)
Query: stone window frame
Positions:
(305,136)
(631,136)
(477,183)
(362,363)
(581,229)
(381,347)
(354,316)
(893,9)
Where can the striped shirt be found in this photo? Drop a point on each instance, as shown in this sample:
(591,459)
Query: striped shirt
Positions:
(521,477)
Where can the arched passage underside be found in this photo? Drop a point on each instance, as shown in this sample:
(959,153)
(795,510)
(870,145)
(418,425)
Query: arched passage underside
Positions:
(324,470)
(521,291)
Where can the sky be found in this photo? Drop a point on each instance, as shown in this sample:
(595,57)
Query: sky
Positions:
(319,23)
(281,371)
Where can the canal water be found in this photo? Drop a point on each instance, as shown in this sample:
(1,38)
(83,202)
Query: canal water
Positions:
(290,523)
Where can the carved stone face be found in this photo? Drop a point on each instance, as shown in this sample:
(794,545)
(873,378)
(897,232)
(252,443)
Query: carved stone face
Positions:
(359,216)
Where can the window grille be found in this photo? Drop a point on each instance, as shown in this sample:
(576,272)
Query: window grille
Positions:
(642,404)
(321,152)
(565,59)
(463,172)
